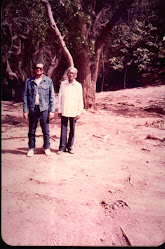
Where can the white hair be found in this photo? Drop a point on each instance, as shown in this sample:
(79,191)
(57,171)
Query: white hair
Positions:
(75,69)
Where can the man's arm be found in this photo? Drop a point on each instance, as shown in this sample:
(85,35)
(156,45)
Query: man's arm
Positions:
(60,102)
(52,101)
(81,103)
(52,98)
(25,104)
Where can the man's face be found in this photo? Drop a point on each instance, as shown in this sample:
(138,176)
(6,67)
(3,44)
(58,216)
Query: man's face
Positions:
(39,69)
(71,75)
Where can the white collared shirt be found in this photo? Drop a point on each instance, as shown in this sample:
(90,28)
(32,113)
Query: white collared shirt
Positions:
(70,99)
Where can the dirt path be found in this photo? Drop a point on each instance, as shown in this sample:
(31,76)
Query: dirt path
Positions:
(111,192)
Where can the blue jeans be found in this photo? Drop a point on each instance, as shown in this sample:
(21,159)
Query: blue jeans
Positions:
(44,123)
(64,144)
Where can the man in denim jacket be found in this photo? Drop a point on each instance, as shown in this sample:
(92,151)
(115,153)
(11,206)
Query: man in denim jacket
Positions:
(39,103)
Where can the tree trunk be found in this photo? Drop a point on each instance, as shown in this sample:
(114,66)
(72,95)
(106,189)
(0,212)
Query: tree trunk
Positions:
(84,77)
(102,84)
(9,72)
(14,83)
(95,65)
(125,75)
(52,67)
(20,72)
(88,71)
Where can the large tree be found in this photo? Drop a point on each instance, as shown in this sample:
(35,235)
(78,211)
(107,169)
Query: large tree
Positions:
(94,21)
(25,37)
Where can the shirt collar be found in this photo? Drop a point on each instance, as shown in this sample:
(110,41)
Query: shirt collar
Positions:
(73,83)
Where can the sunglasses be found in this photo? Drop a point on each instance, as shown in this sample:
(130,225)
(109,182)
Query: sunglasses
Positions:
(39,68)
(71,73)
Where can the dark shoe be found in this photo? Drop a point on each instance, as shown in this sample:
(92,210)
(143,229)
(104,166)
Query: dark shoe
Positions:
(71,151)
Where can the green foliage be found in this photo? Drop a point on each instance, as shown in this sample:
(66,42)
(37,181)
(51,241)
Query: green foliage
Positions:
(143,58)
(117,63)
(135,42)
(26,19)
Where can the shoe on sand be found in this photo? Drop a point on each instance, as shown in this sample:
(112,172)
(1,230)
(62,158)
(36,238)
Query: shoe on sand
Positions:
(71,151)
(60,152)
(30,153)
(48,152)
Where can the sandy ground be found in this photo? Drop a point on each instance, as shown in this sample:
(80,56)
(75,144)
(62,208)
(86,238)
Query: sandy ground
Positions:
(111,192)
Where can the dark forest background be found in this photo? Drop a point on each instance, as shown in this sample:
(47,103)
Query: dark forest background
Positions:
(132,52)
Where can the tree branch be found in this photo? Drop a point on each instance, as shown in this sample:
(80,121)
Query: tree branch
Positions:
(119,10)
(53,25)
(98,19)
(9,72)
(19,29)
(54,64)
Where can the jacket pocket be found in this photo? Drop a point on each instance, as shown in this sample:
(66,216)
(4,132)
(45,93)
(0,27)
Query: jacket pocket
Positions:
(45,87)
(44,94)
(44,90)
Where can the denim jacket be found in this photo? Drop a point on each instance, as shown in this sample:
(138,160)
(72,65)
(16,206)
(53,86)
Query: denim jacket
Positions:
(46,94)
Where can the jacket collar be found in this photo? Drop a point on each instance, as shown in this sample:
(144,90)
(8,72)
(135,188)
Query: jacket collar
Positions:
(43,78)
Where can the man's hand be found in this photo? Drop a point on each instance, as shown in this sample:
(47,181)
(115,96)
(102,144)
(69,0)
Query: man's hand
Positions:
(51,115)
(25,115)
(60,115)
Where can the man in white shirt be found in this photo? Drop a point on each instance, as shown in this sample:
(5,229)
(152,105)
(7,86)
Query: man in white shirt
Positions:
(70,107)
